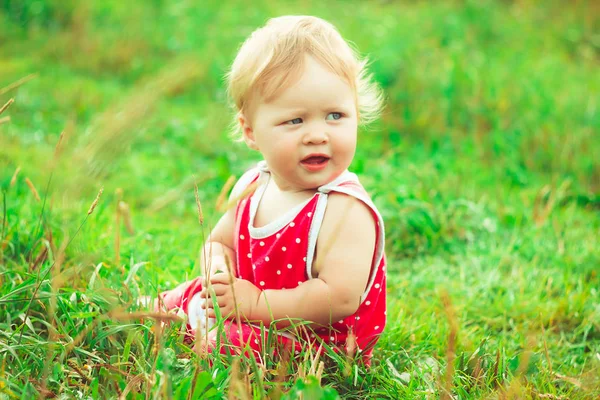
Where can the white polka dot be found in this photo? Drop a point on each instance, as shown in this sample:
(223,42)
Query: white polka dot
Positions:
(253,266)
(377,327)
(256,341)
(299,283)
(341,321)
(249,255)
(368,303)
(262,283)
(297,352)
(304,259)
(242,237)
(262,243)
(267,258)
(289,266)
(278,272)
(292,224)
(377,286)
(357,317)
(385,313)
(283,248)
(309,214)
(383,269)
(331,338)
(298,240)
(278,235)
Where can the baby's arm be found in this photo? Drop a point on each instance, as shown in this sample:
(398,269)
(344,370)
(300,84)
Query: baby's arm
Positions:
(218,249)
(344,256)
(346,245)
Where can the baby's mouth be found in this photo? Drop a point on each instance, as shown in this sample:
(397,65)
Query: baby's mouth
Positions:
(315,160)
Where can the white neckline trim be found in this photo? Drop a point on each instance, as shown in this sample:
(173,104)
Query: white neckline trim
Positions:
(274,226)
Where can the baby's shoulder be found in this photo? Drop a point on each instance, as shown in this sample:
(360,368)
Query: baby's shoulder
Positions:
(245,180)
(346,212)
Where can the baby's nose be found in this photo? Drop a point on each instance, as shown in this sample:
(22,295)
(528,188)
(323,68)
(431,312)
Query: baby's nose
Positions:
(315,136)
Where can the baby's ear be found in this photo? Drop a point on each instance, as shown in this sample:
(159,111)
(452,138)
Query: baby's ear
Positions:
(247,131)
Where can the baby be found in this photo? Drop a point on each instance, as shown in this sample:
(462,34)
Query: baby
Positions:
(305,248)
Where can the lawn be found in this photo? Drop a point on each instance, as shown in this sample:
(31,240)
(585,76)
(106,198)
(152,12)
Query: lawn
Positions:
(484,166)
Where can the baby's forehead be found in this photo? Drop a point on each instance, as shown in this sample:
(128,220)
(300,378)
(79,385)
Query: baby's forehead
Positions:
(308,83)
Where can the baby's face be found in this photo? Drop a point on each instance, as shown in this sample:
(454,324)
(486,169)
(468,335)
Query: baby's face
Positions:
(307,134)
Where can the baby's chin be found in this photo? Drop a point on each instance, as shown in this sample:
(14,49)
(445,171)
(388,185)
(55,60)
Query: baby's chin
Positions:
(318,181)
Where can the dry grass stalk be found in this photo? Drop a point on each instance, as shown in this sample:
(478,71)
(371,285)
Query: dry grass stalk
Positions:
(4,120)
(32,188)
(133,383)
(238,318)
(497,378)
(18,83)
(113,131)
(126,213)
(207,275)
(206,265)
(175,194)
(515,389)
(8,103)
(319,373)
(233,202)
(53,333)
(41,257)
(137,315)
(315,362)
(224,190)
(86,379)
(198,205)
(478,372)
(549,396)
(542,209)
(447,384)
(234,381)
(3,386)
(575,382)
(547,354)
(524,362)
(238,388)
(350,347)
(95,202)
(119,195)
(58,147)
(282,368)
(13,180)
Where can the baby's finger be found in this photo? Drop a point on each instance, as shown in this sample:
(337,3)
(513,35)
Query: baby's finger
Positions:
(219,289)
(223,278)
(222,301)
(210,312)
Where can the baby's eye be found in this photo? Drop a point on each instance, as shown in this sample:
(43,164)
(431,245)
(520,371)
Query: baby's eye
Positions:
(294,121)
(333,116)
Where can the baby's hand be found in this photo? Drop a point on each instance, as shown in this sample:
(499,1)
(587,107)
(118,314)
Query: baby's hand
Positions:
(222,287)
(219,264)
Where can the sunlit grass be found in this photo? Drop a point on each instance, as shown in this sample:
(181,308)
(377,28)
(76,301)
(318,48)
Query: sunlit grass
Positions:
(483,166)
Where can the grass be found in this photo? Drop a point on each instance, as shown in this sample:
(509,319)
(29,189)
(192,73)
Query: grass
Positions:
(483,166)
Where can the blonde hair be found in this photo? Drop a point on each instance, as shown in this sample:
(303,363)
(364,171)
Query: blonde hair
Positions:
(272,59)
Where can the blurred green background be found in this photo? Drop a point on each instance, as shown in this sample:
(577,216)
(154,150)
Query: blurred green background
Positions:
(484,163)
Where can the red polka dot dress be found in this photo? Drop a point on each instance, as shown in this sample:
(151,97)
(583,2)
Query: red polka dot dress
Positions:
(280,256)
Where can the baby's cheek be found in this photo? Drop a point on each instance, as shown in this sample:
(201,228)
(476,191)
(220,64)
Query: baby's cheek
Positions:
(284,155)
